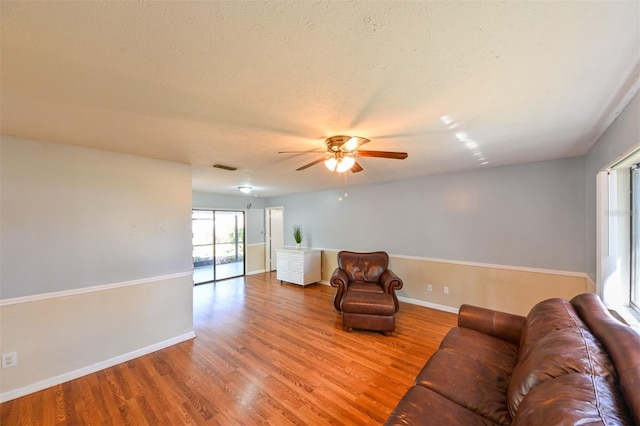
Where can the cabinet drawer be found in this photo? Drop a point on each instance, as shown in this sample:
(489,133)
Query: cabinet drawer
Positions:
(296,257)
(282,260)
(283,274)
(296,277)
(296,266)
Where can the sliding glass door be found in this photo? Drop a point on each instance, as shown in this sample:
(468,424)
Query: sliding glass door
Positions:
(218,245)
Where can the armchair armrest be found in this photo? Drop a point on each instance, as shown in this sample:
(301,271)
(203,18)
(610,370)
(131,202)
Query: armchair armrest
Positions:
(502,325)
(390,281)
(340,280)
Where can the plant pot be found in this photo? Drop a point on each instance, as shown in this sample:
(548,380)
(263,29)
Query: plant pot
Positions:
(298,246)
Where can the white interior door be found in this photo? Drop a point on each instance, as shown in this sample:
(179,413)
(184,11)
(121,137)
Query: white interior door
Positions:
(274,235)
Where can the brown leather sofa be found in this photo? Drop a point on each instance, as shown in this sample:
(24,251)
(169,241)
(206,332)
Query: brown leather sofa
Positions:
(565,363)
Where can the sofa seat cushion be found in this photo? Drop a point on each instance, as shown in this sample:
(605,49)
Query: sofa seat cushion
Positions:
(573,399)
(421,405)
(478,385)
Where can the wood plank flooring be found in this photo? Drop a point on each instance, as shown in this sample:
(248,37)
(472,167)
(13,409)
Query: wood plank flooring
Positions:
(264,353)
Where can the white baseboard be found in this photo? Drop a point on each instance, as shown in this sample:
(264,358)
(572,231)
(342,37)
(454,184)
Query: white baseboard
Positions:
(428,304)
(62,378)
(259,271)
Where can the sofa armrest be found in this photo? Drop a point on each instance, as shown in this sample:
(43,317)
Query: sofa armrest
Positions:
(502,325)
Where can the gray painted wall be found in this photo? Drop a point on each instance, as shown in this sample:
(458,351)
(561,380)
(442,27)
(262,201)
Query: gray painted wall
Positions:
(74,217)
(617,141)
(529,215)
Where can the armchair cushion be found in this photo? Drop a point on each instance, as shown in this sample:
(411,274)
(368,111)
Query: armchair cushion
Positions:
(366,267)
(367,287)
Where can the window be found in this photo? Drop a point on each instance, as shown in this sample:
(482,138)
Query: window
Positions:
(634,296)
(618,237)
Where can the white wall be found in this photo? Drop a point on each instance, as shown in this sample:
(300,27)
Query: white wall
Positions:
(96,260)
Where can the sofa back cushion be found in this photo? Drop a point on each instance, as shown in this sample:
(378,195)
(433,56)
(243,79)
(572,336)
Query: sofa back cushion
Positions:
(572,350)
(366,267)
(573,399)
(544,318)
(555,342)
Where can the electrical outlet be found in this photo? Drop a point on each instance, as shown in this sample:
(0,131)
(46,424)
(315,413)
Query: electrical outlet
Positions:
(445,290)
(429,287)
(10,359)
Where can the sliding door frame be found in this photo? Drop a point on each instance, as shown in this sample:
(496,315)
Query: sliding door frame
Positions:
(238,240)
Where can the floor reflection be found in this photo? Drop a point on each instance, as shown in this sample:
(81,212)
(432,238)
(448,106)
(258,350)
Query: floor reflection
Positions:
(203,274)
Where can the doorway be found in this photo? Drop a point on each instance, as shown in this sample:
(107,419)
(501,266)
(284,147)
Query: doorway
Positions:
(218,245)
(274,235)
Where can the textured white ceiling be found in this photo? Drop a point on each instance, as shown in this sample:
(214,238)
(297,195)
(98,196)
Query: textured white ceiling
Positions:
(235,82)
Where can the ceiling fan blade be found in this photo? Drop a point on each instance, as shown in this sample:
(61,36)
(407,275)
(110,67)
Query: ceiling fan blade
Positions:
(353,143)
(383,154)
(357,168)
(313,163)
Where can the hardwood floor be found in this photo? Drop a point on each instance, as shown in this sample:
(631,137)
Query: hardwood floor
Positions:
(264,353)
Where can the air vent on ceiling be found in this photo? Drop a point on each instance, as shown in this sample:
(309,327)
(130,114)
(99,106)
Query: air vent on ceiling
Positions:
(224,167)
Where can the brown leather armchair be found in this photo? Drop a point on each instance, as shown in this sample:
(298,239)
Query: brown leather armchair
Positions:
(364,272)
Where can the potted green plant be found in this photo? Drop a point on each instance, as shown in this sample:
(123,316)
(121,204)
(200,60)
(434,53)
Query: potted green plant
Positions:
(297,235)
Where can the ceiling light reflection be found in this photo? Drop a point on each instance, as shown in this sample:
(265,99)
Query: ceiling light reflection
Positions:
(471,144)
(447,120)
(462,136)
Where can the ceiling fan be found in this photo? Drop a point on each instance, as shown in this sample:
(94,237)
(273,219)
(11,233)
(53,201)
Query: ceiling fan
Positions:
(341,152)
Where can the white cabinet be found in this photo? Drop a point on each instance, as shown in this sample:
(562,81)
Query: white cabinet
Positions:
(298,266)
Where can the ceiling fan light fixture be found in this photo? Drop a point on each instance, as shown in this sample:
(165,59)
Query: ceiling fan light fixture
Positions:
(331,163)
(341,164)
(344,164)
(245,189)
